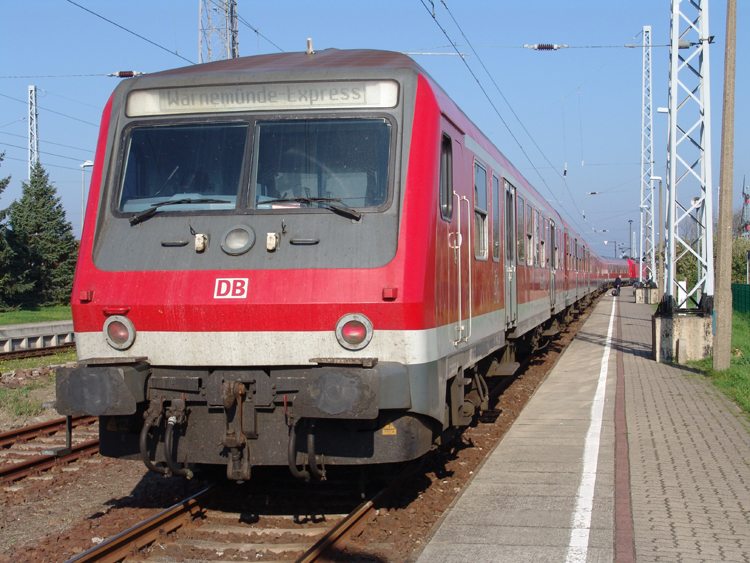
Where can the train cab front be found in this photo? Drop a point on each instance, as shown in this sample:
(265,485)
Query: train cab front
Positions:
(239,297)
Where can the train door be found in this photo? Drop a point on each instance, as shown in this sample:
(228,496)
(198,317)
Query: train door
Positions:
(552,258)
(446,257)
(511,297)
(497,275)
(576,269)
(459,240)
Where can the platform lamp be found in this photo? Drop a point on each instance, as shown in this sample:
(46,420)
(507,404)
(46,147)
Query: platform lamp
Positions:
(83,166)
(615,243)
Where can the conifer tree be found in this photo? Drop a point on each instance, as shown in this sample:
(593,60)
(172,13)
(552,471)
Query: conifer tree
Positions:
(43,242)
(6,254)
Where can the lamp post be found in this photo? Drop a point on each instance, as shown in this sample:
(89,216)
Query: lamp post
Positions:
(630,238)
(659,271)
(83,166)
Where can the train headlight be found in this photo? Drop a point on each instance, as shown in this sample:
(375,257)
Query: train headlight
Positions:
(354,331)
(238,240)
(119,332)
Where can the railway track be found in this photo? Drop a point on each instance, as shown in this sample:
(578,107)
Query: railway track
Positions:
(28,451)
(208,533)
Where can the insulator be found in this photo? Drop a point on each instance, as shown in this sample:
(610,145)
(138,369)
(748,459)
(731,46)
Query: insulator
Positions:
(126,73)
(546,47)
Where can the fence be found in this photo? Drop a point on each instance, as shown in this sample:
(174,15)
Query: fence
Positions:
(741,297)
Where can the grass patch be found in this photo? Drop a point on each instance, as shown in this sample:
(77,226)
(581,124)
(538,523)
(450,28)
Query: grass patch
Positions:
(30,363)
(36,315)
(19,401)
(735,381)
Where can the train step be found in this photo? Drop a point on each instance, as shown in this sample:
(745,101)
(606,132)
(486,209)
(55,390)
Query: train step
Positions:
(504,368)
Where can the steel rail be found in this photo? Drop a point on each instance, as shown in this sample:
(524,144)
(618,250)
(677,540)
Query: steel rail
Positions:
(337,535)
(18,471)
(26,433)
(120,546)
(35,352)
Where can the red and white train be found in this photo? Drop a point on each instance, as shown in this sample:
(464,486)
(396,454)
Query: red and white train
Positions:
(306,260)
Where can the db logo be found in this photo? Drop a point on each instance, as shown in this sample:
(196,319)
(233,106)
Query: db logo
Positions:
(230,288)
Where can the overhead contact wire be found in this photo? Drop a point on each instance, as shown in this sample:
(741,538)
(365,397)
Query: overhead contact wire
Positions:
(494,107)
(175,53)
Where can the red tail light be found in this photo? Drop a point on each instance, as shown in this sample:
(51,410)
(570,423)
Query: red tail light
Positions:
(118,332)
(354,331)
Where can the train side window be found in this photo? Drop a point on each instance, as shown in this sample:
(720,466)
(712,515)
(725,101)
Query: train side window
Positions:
(520,229)
(446,178)
(529,234)
(543,242)
(495,218)
(480,212)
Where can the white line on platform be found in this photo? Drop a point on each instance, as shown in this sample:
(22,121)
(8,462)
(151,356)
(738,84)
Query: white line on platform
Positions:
(579,534)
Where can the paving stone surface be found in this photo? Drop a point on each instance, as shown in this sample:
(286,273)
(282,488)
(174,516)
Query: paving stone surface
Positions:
(689,457)
(689,454)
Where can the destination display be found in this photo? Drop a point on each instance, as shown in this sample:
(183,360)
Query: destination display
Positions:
(263,97)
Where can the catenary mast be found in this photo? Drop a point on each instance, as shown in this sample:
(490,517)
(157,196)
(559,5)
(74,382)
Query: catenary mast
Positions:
(217,30)
(33,130)
(689,213)
(646,249)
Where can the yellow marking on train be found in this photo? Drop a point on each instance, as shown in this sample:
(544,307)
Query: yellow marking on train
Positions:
(389,430)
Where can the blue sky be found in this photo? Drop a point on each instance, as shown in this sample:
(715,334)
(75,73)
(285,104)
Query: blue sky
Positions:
(581,106)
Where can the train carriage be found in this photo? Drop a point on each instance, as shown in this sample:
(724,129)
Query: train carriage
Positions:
(304,260)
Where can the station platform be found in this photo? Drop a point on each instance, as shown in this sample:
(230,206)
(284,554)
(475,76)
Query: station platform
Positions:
(616,458)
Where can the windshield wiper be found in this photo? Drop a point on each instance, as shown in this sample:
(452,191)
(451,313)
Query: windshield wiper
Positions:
(143,215)
(325,202)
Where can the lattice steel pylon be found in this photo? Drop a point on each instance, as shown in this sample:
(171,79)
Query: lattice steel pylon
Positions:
(646,248)
(33,130)
(689,229)
(217,30)
(745,219)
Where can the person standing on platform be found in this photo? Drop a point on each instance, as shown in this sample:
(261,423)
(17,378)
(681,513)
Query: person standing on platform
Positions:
(618,283)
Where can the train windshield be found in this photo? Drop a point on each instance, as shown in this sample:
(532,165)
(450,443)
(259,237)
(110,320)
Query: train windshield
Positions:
(342,160)
(201,163)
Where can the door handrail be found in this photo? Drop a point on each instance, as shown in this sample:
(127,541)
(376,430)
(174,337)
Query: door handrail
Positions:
(470,254)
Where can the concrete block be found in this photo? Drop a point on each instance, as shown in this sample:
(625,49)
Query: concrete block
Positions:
(646,295)
(681,351)
(694,330)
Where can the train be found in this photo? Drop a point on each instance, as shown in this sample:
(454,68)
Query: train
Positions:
(306,260)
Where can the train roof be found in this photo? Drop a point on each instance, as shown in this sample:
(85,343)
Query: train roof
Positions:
(321,62)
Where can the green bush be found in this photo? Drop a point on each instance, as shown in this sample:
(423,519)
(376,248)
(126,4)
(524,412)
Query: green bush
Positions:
(735,381)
